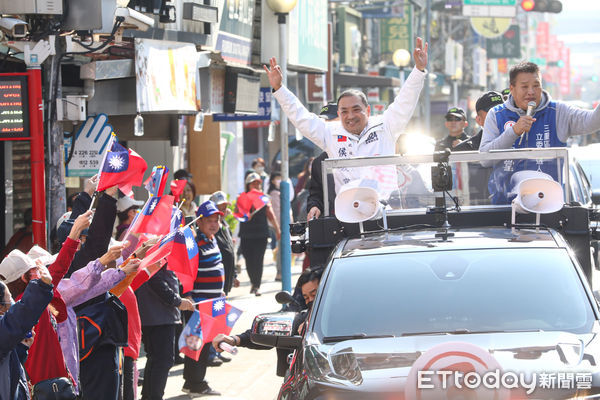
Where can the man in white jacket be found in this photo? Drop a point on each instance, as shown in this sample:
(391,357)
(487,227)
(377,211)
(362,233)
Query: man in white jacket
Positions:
(357,133)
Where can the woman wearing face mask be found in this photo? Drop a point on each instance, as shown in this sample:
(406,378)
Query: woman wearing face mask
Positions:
(258,166)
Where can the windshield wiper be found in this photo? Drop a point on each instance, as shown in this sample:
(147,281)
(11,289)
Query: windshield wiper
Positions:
(465,331)
(330,339)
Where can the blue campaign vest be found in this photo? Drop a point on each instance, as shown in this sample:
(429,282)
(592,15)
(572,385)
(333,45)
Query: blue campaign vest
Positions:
(542,135)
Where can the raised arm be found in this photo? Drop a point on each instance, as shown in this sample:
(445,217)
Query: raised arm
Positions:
(309,124)
(399,113)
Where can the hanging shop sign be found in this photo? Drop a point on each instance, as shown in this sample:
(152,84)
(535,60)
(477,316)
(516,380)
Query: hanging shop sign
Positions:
(166,75)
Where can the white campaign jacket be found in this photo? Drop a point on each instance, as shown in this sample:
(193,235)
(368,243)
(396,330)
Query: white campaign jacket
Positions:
(378,138)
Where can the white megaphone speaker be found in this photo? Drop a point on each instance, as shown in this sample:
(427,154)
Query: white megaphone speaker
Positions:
(536,193)
(357,201)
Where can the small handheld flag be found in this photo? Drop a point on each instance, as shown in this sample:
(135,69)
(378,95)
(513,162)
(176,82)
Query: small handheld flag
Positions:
(122,167)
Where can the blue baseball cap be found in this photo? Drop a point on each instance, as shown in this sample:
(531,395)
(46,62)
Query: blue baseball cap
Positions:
(207,209)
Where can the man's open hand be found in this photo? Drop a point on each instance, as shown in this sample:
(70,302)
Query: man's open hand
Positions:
(420,54)
(274,74)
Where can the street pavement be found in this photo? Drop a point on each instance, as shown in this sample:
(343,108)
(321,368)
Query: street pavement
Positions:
(250,375)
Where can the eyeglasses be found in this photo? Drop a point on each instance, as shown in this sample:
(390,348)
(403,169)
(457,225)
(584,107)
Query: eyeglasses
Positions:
(453,119)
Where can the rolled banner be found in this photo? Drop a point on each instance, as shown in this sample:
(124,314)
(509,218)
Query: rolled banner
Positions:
(228,348)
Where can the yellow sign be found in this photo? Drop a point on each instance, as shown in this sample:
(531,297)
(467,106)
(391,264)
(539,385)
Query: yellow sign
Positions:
(490,27)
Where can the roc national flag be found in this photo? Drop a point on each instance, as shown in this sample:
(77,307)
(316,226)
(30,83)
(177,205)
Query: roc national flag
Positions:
(183,259)
(177,187)
(248,203)
(153,260)
(155,184)
(155,216)
(216,316)
(122,167)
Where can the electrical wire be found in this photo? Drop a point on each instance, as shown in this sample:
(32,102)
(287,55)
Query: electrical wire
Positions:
(454,200)
(54,79)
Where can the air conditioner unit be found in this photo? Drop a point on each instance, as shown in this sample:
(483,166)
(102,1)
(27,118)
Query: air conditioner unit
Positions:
(241,93)
(31,6)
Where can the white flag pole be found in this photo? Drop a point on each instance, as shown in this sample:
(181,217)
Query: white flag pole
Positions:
(108,147)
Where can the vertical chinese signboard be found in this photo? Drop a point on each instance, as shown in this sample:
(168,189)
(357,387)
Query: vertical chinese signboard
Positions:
(21,118)
(542,38)
(234,37)
(396,33)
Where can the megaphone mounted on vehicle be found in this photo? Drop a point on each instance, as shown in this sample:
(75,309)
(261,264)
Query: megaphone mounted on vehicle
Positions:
(358,201)
(536,193)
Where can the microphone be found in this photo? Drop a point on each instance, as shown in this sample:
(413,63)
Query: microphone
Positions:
(530,107)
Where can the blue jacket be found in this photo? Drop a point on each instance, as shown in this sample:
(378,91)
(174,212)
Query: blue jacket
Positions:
(14,325)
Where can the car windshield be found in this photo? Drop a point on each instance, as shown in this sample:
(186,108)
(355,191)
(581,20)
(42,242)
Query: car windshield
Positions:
(477,180)
(454,291)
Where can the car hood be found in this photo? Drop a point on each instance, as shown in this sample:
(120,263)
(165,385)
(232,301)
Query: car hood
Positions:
(384,364)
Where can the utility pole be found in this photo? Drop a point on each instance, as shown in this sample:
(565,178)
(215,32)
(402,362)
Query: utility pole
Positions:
(55,144)
(427,90)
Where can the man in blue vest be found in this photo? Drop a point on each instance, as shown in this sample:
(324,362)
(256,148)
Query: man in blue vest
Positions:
(550,124)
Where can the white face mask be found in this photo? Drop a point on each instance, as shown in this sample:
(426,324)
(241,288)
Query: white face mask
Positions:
(259,169)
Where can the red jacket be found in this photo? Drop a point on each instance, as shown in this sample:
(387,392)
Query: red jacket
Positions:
(57,270)
(134,324)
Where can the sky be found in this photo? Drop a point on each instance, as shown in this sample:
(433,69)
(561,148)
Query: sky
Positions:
(578,26)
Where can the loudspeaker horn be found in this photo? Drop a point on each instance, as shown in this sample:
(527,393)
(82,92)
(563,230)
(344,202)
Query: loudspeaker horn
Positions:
(357,202)
(537,193)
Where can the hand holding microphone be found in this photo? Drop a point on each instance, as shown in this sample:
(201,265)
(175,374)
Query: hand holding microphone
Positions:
(524,123)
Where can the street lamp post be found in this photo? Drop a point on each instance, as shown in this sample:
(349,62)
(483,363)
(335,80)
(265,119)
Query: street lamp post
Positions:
(427,97)
(282,8)
(401,58)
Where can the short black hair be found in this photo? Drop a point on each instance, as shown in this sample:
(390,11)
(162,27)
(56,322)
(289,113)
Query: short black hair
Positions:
(309,275)
(3,289)
(123,215)
(182,174)
(522,67)
(258,160)
(354,92)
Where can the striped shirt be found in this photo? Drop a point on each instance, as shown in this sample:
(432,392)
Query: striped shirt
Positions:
(211,275)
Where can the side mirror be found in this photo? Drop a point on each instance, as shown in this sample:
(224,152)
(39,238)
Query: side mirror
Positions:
(596,196)
(284,297)
(275,330)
